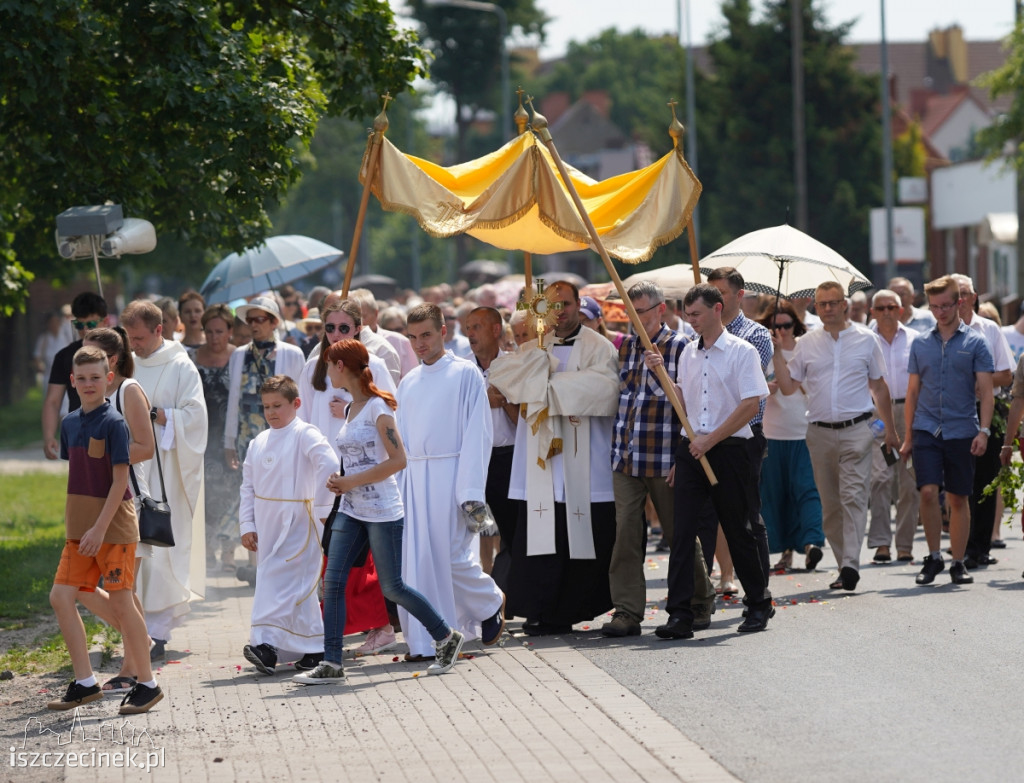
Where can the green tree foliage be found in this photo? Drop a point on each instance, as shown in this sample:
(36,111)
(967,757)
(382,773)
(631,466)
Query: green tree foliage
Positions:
(190,113)
(746,139)
(640,74)
(1007,133)
(909,154)
(325,202)
(466,48)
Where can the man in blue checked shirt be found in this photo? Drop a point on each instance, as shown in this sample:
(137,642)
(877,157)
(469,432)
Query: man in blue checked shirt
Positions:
(730,282)
(644,441)
(950,366)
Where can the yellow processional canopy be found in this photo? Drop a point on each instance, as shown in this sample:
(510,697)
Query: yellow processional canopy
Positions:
(515,199)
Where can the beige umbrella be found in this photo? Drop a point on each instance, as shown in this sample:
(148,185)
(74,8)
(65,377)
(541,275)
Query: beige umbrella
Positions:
(674,280)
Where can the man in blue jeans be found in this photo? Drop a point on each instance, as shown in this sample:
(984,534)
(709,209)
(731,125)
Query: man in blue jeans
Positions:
(950,366)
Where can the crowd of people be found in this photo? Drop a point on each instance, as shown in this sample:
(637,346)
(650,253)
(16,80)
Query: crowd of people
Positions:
(427,465)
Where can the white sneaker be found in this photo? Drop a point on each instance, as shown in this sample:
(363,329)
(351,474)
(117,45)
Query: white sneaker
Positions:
(447,653)
(323,674)
(377,640)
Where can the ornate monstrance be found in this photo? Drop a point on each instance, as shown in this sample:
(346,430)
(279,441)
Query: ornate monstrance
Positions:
(541,308)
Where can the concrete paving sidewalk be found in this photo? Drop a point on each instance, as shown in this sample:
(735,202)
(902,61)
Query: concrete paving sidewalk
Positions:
(521,711)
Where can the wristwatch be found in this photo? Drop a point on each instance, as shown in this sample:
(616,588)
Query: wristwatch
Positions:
(986,430)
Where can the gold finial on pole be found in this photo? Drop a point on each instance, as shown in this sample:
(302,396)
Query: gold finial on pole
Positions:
(521,118)
(676,129)
(539,122)
(381,122)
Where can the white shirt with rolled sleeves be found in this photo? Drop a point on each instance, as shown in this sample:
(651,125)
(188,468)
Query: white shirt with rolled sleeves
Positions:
(1002,356)
(897,358)
(835,372)
(714,380)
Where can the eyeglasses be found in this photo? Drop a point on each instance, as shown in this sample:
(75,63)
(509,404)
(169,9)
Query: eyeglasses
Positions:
(943,308)
(257,319)
(885,308)
(291,302)
(80,325)
(829,303)
(341,328)
(782,325)
(648,309)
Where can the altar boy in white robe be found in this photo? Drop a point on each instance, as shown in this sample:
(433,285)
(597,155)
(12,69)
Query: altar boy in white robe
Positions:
(445,422)
(561,467)
(283,468)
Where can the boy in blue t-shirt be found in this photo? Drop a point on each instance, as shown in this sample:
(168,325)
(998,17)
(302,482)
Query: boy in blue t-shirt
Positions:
(101,533)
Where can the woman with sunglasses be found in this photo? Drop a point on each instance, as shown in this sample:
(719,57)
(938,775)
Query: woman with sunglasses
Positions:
(323,406)
(789,497)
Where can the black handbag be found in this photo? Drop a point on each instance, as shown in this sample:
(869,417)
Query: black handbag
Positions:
(154,515)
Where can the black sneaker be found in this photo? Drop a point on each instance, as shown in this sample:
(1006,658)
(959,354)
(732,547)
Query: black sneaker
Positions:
(491,628)
(959,576)
(933,566)
(262,656)
(140,699)
(309,661)
(159,650)
(76,696)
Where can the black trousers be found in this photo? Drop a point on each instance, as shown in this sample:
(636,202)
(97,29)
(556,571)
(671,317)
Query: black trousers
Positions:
(730,460)
(983,510)
(707,523)
(505,510)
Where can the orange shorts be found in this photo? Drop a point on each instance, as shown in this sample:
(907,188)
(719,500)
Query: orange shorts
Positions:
(114,562)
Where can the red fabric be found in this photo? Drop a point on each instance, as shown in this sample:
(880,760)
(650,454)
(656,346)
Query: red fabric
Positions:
(364,602)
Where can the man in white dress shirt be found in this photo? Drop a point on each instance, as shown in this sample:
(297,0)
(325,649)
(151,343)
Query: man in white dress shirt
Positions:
(483,328)
(721,384)
(842,368)
(895,338)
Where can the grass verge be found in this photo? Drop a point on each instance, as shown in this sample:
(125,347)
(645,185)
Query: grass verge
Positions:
(48,653)
(31,539)
(20,423)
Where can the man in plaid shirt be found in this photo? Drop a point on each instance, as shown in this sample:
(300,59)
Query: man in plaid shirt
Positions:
(644,442)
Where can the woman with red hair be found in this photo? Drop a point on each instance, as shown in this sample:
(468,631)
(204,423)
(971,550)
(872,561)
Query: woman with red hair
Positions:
(371,512)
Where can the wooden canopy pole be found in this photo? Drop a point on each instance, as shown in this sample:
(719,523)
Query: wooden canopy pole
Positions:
(380,124)
(540,126)
(676,130)
(522,120)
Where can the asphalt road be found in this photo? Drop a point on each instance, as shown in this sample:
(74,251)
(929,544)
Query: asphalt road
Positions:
(892,682)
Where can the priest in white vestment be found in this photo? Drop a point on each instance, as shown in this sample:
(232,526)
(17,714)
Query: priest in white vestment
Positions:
(445,423)
(562,469)
(169,579)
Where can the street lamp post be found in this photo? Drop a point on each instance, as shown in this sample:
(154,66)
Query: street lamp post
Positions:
(506,86)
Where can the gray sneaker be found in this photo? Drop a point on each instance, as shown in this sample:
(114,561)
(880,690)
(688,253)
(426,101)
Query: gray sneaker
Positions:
(447,653)
(323,674)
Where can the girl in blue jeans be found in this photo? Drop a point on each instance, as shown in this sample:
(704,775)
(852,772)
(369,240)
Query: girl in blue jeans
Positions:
(371,510)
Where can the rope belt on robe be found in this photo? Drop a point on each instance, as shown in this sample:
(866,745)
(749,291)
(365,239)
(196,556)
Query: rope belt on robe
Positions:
(311,534)
(421,457)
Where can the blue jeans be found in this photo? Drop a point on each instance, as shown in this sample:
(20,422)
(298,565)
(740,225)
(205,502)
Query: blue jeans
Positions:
(348,536)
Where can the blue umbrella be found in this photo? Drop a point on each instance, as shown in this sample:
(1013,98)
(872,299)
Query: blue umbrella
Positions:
(279,260)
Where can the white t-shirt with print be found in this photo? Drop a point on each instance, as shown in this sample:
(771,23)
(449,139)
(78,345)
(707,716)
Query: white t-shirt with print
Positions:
(361,448)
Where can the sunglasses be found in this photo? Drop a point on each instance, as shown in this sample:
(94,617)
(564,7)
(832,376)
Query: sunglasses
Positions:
(84,324)
(783,325)
(257,319)
(886,308)
(341,328)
